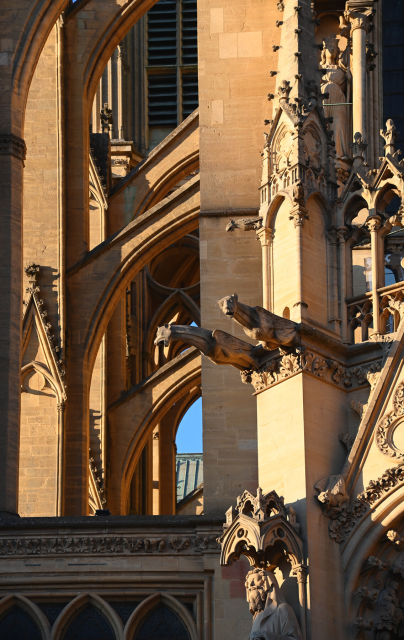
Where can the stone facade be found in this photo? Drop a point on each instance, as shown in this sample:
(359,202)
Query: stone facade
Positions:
(254,257)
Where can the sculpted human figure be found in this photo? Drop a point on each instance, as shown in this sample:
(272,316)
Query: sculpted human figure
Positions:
(218,346)
(274,619)
(335,82)
(259,324)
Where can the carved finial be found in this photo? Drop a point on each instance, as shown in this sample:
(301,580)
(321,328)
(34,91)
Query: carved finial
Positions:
(358,146)
(106,118)
(284,90)
(32,270)
(390,135)
(281,6)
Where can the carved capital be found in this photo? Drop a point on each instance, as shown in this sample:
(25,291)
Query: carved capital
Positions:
(359,21)
(61,407)
(265,236)
(13,145)
(342,234)
(301,573)
(373,223)
(299,215)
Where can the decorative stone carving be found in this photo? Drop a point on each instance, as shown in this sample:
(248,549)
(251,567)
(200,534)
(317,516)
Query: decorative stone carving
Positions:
(245,224)
(105,545)
(288,364)
(273,617)
(261,521)
(358,147)
(218,346)
(298,193)
(387,426)
(395,539)
(13,146)
(281,6)
(263,525)
(332,493)
(106,118)
(390,135)
(336,81)
(259,324)
(299,215)
(343,521)
(33,272)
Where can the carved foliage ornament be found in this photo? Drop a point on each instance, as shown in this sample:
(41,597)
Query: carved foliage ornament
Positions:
(104,545)
(298,360)
(344,518)
(388,425)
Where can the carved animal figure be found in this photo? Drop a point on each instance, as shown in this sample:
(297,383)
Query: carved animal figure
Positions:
(259,324)
(245,224)
(218,346)
(333,494)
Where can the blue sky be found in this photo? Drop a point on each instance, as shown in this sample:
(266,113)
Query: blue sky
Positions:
(189,434)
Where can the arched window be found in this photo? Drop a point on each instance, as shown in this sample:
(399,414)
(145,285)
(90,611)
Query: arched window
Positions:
(89,624)
(162,624)
(16,624)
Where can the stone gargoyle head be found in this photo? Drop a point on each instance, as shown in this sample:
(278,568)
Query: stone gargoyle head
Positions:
(228,305)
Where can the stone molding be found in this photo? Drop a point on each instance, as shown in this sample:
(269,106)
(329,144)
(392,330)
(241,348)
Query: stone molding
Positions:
(387,425)
(299,360)
(344,519)
(106,545)
(13,145)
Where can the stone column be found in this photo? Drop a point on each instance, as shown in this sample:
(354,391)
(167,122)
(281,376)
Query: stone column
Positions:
(342,238)
(333,317)
(373,224)
(299,215)
(12,155)
(266,237)
(59,480)
(301,575)
(359,18)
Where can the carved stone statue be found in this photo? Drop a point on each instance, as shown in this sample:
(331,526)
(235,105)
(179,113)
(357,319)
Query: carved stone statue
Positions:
(298,192)
(218,346)
(336,82)
(274,619)
(388,614)
(259,324)
(245,224)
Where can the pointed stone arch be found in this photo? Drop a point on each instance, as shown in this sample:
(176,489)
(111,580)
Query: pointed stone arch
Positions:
(151,603)
(17,600)
(79,603)
(177,300)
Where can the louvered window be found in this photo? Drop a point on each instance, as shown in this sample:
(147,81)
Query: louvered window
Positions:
(172,57)
(189,36)
(189,91)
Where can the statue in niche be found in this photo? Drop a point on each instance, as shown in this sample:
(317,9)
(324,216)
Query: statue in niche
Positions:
(259,324)
(274,619)
(336,81)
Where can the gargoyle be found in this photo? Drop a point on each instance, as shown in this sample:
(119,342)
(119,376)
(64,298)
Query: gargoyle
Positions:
(218,346)
(259,324)
(332,493)
(245,224)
